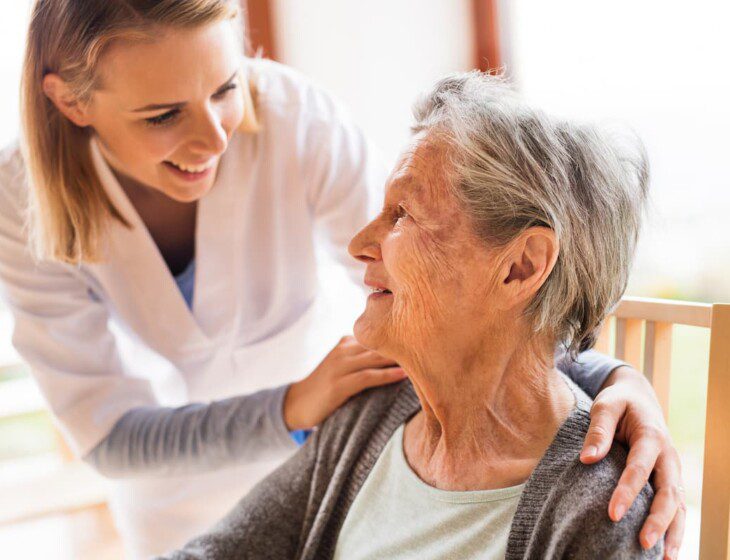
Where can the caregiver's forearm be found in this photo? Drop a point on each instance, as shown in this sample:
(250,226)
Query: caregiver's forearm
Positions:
(590,371)
(156,441)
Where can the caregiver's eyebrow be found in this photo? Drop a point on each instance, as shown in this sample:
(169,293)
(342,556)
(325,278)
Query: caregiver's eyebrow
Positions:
(178,104)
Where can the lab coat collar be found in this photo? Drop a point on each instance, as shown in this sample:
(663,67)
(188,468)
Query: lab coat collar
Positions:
(140,284)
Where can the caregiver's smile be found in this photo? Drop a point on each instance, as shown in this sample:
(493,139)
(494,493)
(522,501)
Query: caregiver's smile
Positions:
(192,173)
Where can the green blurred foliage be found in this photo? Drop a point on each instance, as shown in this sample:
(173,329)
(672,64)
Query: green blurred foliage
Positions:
(688,390)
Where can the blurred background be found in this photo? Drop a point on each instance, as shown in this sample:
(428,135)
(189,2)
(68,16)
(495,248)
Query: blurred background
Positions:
(659,66)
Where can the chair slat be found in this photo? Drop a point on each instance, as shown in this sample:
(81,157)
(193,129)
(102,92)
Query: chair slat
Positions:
(658,360)
(603,342)
(662,310)
(628,340)
(715,528)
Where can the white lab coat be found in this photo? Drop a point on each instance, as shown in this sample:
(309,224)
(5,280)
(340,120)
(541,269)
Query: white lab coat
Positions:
(104,338)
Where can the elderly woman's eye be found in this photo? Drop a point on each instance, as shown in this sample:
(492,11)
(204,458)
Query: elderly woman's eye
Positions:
(401,213)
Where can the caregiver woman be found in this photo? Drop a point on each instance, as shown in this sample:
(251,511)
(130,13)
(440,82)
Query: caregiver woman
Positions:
(174,191)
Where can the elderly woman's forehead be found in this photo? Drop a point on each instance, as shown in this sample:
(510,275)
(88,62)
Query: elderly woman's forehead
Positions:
(422,168)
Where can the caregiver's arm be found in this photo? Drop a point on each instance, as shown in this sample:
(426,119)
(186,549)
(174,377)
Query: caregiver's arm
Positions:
(156,441)
(589,371)
(626,407)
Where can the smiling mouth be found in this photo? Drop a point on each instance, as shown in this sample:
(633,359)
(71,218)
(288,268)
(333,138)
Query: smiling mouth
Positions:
(192,168)
(380,291)
(190,173)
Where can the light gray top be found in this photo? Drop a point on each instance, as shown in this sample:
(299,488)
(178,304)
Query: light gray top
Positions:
(298,511)
(398,516)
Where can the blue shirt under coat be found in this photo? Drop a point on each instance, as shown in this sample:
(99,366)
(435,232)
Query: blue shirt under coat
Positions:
(186,283)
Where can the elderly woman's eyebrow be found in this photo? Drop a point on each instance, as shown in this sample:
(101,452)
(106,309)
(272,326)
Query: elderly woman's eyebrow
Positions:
(407,189)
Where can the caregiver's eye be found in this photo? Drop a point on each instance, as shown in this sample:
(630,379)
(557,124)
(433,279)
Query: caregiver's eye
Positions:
(224,90)
(164,118)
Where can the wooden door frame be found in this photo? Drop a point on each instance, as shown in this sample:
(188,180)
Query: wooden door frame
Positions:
(487,48)
(259,18)
(260,28)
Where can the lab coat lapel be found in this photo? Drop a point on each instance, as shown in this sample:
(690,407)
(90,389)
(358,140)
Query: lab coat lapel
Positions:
(218,270)
(137,279)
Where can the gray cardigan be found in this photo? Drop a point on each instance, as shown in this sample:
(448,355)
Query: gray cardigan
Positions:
(298,511)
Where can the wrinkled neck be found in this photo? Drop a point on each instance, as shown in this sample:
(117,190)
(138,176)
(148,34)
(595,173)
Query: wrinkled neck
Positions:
(502,402)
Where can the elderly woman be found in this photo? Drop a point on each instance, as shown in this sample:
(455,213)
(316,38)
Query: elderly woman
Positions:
(503,233)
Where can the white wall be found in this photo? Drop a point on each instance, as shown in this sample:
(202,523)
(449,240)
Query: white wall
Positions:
(376,55)
(13,25)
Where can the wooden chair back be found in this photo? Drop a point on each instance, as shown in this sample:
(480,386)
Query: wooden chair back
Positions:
(641,333)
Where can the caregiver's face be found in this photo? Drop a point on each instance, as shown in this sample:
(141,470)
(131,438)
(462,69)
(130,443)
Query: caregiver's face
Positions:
(166,109)
(427,268)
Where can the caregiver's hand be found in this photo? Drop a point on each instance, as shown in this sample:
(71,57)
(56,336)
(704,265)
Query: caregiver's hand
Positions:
(348,369)
(628,408)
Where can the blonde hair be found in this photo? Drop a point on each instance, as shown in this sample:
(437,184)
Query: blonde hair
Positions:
(69,208)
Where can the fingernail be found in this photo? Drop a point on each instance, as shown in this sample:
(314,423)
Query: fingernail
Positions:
(619,511)
(650,540)
(591,452)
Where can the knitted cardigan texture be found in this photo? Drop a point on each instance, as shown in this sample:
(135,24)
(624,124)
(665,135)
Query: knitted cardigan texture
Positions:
(297,512)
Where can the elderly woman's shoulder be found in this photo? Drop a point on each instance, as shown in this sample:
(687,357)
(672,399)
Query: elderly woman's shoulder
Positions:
(588,491)
(378,402)
(575,509)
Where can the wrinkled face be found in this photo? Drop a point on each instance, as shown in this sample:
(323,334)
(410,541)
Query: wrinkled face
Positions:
(167,108)
(432,276)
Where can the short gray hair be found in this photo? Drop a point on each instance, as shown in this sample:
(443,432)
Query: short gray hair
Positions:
(515,167)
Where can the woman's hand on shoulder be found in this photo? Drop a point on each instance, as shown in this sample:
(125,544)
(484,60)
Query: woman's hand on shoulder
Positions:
(347,370)
(627,408)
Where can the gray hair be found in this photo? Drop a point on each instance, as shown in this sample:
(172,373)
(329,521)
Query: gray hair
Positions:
(515,167)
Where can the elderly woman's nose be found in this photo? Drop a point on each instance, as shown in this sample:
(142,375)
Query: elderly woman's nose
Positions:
(364,246)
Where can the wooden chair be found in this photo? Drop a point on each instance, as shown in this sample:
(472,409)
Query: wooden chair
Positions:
(642,331)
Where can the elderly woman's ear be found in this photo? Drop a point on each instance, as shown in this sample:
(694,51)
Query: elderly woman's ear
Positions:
(530,259)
